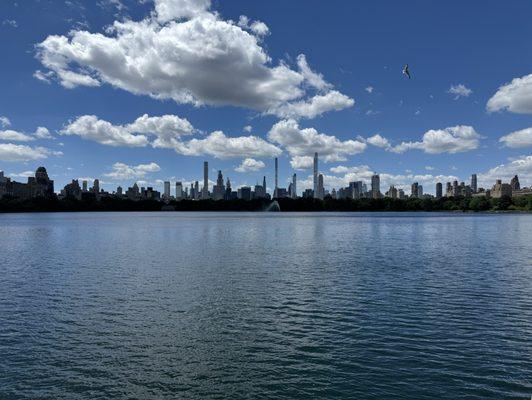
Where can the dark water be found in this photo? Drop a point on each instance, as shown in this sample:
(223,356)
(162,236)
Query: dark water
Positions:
(265,306)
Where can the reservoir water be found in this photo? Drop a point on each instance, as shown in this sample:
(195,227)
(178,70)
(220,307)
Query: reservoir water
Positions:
(265,305)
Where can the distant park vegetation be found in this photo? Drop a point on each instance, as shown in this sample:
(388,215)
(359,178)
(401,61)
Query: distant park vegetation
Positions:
(522,203)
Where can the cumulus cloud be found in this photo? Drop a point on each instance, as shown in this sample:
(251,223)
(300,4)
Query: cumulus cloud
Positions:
(250,165)
(15,136)
(89,127)
(121,171)
(43,133)
(218,145)
(302,162)
(168,132)
(515,97)
(257,27)
(455,139)
(4,122)
(315,106)
(186,52)
(379,141)
(306,141)
(522,138)
(459,91)
(248,128)
(521,166)
(369,89)
(10,152)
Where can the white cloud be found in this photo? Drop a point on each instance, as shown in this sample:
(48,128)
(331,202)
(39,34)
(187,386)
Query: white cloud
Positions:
(302,162)
(522,138)
(429,168)
(454,139)
(15,136)
(89,127)
(459,91)
(10,152)
(250,165)
(314,106)
(369,89)
(10,22)
(521,166)
(123,171)
(4,122)
(168,132)
(248,128)
(43,133)
(43,76)
(257,27)
(515,97)
(25,174)
(304,142)
(186,52)
(218,145)
(379,141)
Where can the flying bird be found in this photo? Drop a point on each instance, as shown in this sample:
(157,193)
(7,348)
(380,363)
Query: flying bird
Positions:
(406,71)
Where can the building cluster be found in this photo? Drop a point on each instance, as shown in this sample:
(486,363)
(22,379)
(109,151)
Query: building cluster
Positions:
(41,186)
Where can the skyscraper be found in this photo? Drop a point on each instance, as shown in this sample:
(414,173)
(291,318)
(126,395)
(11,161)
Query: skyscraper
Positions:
(178,190)
(439,190)
(166,194)
(294,186)
(85,185)
(474,183)
(321,190)
(205,193)
(218,191)
(375,186)
(414,190)
(276,177)
(264,184)
(316,175)
(96,187)
(514,183)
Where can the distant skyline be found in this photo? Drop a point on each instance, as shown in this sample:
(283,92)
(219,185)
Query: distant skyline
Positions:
(129,90)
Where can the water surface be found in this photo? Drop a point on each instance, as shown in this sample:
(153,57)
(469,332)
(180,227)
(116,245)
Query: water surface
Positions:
(270,306)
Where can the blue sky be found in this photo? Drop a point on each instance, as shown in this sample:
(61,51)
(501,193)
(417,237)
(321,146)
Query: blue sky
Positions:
(194,67)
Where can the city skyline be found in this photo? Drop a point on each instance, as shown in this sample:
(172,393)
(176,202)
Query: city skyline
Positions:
(462,112)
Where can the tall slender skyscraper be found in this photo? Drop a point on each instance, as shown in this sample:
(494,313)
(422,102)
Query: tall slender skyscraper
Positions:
(166,194)
(376,186)
(276,177)
(85,186)
(439,190)
(294,186)
(205,193)
(264,184)
(178,190)
(315,175)
(321,190)
(474,183)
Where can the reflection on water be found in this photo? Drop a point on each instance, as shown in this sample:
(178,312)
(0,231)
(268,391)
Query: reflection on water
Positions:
(208,305)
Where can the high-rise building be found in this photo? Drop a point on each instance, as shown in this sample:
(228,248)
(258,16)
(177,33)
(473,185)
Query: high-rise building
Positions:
(414,190)
(264,184)
(294,186)
(321,189)
(218,191)
(439,190)
(166,194)
(275,194)
(96,187)
(205,192)
(514,183)
(474,183)
(119,190)
(244,193)
(85,186)
(375,186)
(316,175)
(178,190)
(420,191)
(196,190)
